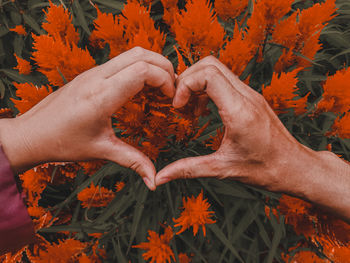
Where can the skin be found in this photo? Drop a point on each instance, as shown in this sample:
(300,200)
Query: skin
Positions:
(74,123)
(257,149)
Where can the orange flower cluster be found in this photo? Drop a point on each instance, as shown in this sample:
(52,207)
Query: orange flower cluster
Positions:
(197,30)
(6,113)
(336,98)
(158,247)
(214,142)
(19,29)
(336,95)
(195,214)
(57,53)
(320,228)
(95,196)
(281,93)
(149,114)
(23,66)
(228,10)
(238,52)
(133,28)
(69,250)
(170,9)
(30,95)
(300,32)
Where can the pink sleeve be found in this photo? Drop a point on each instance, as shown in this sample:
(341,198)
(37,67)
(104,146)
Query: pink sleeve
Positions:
(16,228)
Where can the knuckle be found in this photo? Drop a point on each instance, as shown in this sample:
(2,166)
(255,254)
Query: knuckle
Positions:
(187,82)
(211,71)
(135,166)
(210,59)
(141,68)
(138,51)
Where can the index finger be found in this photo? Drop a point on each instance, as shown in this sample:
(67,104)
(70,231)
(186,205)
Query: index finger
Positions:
(132,56)
(211,80)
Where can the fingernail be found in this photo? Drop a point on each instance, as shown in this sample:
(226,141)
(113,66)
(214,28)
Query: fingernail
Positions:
(149,184)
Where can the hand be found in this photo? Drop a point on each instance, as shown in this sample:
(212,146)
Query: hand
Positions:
(74,123)
(256,149)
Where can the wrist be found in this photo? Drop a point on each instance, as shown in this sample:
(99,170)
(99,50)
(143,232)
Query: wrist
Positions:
(16,146)
(321,178)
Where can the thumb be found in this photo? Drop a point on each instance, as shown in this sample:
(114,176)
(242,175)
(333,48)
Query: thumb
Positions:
(192,167)
(128,156)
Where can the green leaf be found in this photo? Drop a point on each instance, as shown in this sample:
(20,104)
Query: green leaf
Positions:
(2,89)
(220,235)
(119,5)
(232,190)
(279,231)
(33,24)
(81,16)
(13,74)
(141,198)
(244,222)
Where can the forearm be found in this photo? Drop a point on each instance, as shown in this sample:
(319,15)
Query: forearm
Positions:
(322,178)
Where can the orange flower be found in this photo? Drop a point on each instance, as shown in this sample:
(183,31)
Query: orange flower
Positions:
(139,27)
(215,141)
(69,170)
(238,52)
(305,257)
(341,127)
(195,214)
(23,66)
(95,196)
(280,94)
(266,14)
(64,251)
(30,95)
(108,30)
(183,258)
(336,95)
(158,247)
(59,24)
(181,66)
(6,113)
(92,167)
(230,9)
(170,9)
(34,182)
(119,186)
(57,59)
(19,29)
(302,36)
(142,39)
(296,213)
(197,30)
(13,257)
(134,28)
